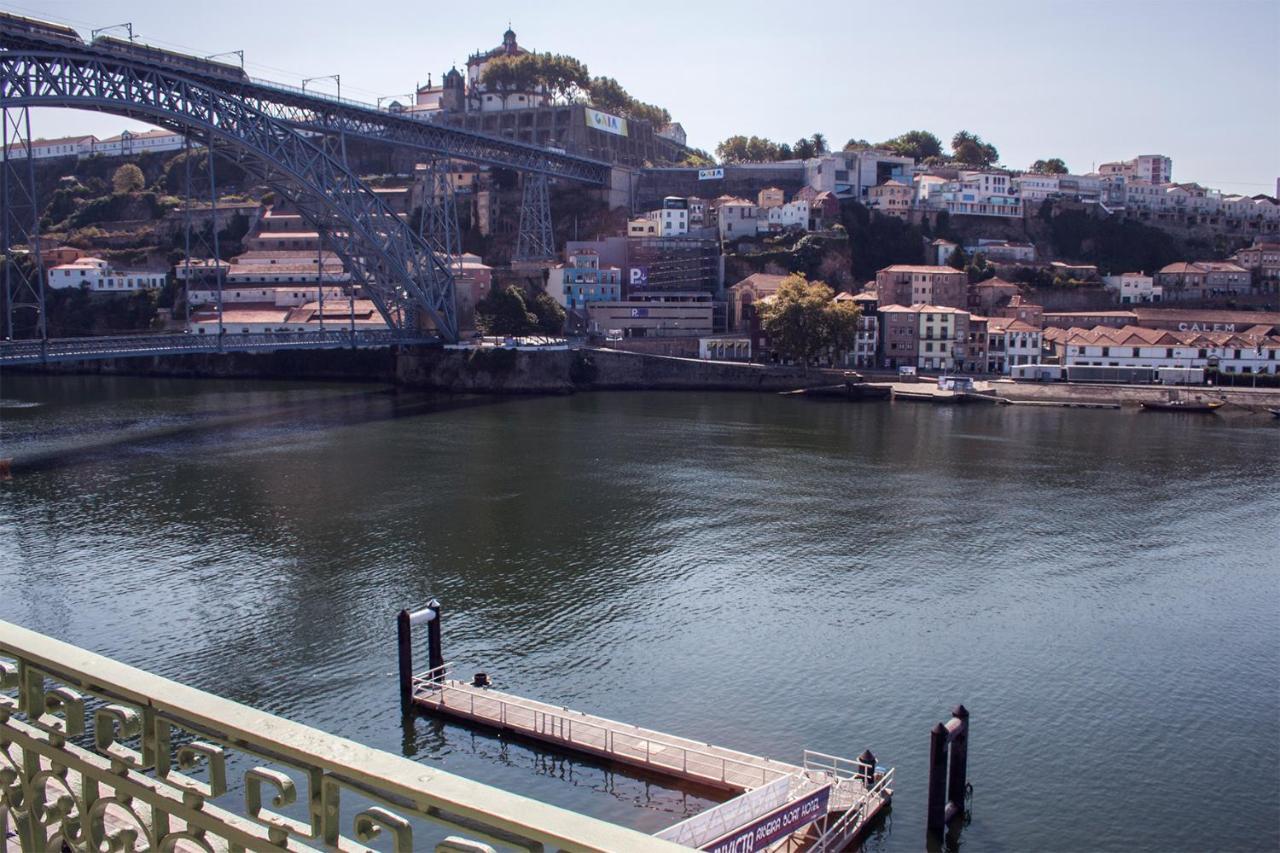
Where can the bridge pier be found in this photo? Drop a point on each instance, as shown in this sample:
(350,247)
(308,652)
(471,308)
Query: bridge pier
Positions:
(536,239)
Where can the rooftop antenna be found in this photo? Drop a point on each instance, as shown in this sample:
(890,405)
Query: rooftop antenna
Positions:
(128,26)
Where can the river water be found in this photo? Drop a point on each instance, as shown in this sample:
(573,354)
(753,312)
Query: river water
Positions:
(1099,588)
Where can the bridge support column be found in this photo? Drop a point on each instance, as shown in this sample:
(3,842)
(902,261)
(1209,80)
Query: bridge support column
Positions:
(535,240)
(438,225)
(24,274)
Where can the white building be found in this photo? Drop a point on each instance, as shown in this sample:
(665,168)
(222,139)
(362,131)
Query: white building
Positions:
(1151,168)
(672,218)
(43,149)
(1131,346)
(979,193)
(736,217)
(1002,251)
(852,174)
(1011,342)
(128,143)
(97,276)
(1134,287)
(782,217)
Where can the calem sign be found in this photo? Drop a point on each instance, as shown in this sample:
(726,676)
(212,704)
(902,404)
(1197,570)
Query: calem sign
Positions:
(605,122)
(773,826)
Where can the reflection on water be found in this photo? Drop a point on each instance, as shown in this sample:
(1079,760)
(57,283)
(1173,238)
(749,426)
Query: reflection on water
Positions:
(1097,587)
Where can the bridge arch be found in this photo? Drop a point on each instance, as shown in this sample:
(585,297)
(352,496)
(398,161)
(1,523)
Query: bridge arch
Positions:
(397,269)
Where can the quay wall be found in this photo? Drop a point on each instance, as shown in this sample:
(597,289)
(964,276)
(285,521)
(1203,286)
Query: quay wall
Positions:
(487,371)
(565,371)
(1255,399)
(360,365)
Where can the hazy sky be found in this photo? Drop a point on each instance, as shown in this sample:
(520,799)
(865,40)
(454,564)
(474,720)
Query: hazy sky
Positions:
(1085,80)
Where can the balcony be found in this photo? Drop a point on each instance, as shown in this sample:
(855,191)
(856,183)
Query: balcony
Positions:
(95,754)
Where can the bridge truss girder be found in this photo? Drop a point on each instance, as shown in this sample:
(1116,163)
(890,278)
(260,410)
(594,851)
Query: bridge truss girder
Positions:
(401,274)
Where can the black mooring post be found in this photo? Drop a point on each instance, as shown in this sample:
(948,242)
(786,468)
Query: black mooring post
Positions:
(435,655)
(404,649)
(936,809)
(959,760)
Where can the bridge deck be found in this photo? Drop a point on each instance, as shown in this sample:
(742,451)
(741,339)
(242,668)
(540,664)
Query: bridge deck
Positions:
(14,353)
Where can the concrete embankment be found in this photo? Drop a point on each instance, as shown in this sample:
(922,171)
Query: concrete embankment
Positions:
(565,371)
(1131,395)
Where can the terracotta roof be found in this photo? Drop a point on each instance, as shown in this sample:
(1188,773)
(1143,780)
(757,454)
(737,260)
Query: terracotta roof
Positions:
(761,281)
(1141,337)
(920,308)
(921,268)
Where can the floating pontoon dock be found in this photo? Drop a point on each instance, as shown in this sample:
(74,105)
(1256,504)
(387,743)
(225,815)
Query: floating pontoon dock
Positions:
(823,803)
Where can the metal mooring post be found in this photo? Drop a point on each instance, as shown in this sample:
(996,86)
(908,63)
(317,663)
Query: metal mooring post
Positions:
(405,621)
(948,766)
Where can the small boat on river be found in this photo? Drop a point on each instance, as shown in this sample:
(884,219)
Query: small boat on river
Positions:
(1178,403)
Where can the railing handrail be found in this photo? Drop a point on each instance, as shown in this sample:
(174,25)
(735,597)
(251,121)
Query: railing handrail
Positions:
(393,777)
(765,771)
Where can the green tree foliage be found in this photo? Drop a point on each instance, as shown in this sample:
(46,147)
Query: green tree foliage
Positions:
(548,314)
(128,179)
(1114,245)
(917,144)
(803,320)
(1052,166)
(876,242)
(970,149)
(958,260)
(980,269)
(503,312)
(857,145)
(758,149)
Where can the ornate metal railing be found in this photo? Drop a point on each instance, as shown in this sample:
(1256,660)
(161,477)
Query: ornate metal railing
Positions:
(95,755)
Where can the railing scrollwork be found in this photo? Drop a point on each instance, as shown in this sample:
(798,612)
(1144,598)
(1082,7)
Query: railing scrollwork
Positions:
(96,755)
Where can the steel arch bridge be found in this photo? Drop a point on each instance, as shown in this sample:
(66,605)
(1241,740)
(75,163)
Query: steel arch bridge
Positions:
(410,284)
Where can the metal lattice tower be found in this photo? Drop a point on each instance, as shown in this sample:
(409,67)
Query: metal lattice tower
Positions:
(535,241)
(438,224)
(20,226)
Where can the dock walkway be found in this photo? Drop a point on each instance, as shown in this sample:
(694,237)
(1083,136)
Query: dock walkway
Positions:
(858,791)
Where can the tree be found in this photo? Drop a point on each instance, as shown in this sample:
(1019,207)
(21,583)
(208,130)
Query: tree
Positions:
(549,315)
(503,312)
(1052,166)
(857,145)
(128,179)
(819,144)
(804,148)
(917,144)
(958,260)
(969,149)
(803,320)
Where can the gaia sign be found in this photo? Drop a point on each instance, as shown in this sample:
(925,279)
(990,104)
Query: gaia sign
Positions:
(605,122)
(710,174)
